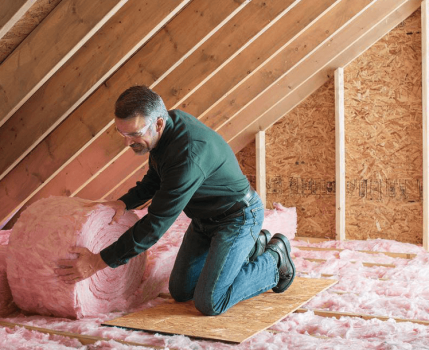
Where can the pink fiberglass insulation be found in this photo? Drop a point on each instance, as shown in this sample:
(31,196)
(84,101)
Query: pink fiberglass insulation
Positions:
(44,233)
(282,220)
(7,306)
(402,293)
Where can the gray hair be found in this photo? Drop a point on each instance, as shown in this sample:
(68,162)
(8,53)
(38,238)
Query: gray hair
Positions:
(140,101)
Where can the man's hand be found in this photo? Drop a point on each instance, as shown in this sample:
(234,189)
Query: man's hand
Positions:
(118,206)
(76,270)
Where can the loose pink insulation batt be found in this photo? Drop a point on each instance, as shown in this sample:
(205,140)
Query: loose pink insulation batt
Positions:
(44,233)
(7,305)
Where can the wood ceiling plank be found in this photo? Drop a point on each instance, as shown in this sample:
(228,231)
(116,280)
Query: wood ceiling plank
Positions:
(292,53)
(101,56)
(354,39)
(160,55)
(123,186)
(48,47)
(25,25)
(289,24)
(11,11)
(224,43)
(107,180)
(263,49)
(381,24)
(288,58)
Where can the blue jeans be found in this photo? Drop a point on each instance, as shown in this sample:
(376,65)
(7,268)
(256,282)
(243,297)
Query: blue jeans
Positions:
(212,266)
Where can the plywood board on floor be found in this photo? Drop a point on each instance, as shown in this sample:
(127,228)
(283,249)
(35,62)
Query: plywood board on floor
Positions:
(239,323)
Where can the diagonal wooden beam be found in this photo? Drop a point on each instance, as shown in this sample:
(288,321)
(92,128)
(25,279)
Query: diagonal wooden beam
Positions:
(48,47)
(227,42)
(291,24)
(299,43)
(161,54)
(288,92)
(132,26)
(11,11)
(287,60)
(283,34)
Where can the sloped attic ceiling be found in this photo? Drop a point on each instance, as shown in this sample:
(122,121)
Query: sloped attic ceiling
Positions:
(237,65)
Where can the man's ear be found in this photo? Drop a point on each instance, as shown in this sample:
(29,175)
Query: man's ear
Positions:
(159,124)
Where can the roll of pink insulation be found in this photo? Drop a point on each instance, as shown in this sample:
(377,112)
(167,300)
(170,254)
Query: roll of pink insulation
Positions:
(43,234)
(7,306)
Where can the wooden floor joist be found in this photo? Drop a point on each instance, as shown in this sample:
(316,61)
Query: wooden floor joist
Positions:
(392,254)
(327,275)
(312,239)
(368,264)
(338,315)
(83,339)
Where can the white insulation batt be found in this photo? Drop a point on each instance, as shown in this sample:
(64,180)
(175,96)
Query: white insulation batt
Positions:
(44,233)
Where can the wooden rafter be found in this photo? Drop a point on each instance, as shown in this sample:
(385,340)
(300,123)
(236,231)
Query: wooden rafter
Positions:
(355,38)
(95,116)
(132,26)
(303,9)
(48,47)
(11,11)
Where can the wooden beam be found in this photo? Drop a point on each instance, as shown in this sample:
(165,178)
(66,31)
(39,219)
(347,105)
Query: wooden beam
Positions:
(392,254)
(367,264)
(48,47)
(261,183)
(355,39)
(134,24)
(91,119)
(340,157)
(11,11)
(225,44)
(242,99)
(272,99)
(338,314)
(311,239)
(234,34)
(25,25)
(334,275)
(282,34)
(425,106)
(82,338)
(268,45)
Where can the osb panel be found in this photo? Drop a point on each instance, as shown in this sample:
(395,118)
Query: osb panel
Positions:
(25,26)
(300,162)
(235,325)
(383,131)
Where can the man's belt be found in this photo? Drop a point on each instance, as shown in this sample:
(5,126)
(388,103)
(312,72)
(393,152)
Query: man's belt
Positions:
(244,202)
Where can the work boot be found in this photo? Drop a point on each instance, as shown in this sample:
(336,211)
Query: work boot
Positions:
(260,245)
(280,245)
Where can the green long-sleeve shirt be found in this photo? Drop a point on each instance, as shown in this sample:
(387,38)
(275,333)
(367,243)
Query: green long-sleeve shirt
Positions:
(192,169)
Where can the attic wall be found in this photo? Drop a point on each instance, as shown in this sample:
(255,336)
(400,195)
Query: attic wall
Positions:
(383,147)
(383,128)
(300,162)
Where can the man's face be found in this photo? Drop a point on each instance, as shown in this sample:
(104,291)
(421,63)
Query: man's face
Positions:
(141,135)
